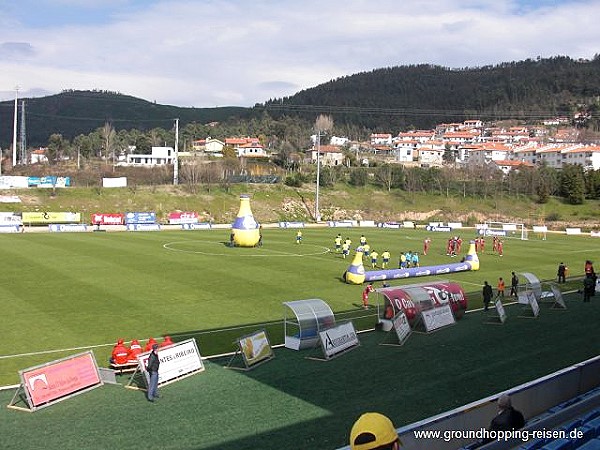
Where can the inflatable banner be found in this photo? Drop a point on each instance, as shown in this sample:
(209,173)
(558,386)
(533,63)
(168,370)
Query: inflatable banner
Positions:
(416,298)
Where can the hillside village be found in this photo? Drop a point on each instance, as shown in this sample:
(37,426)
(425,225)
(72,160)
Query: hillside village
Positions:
(472,142)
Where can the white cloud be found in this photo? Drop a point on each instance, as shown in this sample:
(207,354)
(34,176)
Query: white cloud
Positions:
(235,52)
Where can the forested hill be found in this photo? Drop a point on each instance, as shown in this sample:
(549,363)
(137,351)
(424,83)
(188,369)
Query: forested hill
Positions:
(71,113)
(423,95)
(385,100)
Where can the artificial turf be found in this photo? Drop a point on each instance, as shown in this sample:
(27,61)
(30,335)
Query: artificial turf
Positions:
(293,402)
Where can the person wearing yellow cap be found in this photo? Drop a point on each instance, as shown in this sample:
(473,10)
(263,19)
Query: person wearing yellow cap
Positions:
(374,431)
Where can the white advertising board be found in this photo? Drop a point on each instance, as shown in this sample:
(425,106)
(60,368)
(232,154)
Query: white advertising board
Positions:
(535,308)
(176,361)
(401,326)
(437,317)
(500,311)
(338,339)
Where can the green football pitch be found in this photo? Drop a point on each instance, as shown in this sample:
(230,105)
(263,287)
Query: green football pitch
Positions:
(65,293)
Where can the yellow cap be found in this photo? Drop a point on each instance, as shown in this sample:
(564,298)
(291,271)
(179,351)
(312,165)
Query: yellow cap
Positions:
(372,430)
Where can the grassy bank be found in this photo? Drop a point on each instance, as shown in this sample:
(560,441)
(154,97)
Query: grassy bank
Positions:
(271,203)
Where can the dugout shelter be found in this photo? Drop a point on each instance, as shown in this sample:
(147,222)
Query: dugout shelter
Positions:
(303,320)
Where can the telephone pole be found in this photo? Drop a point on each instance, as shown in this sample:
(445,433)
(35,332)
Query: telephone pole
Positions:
(14,149)
(176,155)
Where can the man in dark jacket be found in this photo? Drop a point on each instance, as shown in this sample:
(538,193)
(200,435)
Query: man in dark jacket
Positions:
(487,295)
(152,368)
(508,418)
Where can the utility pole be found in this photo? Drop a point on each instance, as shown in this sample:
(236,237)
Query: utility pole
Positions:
(323,124)
(317,214)
(23,135)
(176,155)
(14,149)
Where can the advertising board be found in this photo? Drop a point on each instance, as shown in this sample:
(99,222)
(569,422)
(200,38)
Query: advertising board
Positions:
(176,361)
(59,379)
(179,217)
(47,217)
(338,339)
(140,217)
(107,219)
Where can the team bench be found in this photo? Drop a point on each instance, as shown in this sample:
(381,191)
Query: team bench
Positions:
(124,368)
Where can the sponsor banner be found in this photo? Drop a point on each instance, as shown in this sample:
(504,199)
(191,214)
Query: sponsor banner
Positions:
(255,348)
(488,232)
(52,381)
(291,225)
(481,226)
(408,224)
(179,217)
(69,227)
(9,218)
(49,182)
(196,226)
(140,217)
(9,228)
(401,326)
(107,219)
(51,217)
(367,223)
(114,182)
(10,199)
(389,225)
(143,227)
(509,226)
(573,230)
(438,228)
(540,228)
(176,361)
(455,224)
(342,223)
(595,233)
(437,317)
(337,339)
(8,182)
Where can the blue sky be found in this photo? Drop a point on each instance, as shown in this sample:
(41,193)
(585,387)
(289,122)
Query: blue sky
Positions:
(231,52)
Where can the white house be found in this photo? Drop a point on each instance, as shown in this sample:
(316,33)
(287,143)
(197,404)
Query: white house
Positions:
(160,156)
(339,141)
(381,139)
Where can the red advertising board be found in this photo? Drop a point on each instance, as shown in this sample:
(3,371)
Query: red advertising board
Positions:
(179,217)
(107,219)
(58,379)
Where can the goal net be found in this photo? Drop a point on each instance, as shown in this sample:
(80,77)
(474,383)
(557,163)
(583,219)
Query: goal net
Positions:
(508,230)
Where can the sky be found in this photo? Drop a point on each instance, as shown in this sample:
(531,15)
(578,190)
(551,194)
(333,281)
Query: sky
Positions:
(208,53)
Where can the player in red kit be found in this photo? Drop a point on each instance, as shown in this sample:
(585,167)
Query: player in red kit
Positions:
(426,244)
(365,295)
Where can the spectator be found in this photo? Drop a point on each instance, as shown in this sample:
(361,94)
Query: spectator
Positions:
(487,295)
(374,431)
(589,267)
(134,349)
(508,418)
(120,353)
(149,345)
(152,369)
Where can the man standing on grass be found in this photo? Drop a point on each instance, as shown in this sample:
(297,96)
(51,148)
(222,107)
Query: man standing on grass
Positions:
(500,288)
(152,368)
(487,295)
(514,283)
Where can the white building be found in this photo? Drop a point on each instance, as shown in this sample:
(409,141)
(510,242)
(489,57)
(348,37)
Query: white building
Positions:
(160,156)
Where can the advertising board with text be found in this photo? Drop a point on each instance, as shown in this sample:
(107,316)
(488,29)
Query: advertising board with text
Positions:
(176,361)
(338,339)
(53,381)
